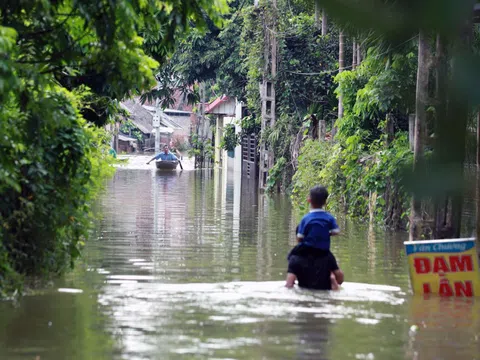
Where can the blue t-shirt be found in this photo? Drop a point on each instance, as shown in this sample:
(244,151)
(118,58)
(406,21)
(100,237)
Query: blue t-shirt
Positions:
(166,157)
(315,228)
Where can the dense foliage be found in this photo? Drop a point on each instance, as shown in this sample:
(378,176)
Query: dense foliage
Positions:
(230,138)
(364,165)
(363,168)
(63,66)
(304,83)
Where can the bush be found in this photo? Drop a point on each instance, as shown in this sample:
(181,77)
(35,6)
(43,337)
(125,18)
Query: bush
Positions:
(51,173)
(230,138)
(359,178)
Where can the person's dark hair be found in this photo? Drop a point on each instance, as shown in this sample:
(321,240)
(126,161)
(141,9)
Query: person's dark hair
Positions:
(318,196)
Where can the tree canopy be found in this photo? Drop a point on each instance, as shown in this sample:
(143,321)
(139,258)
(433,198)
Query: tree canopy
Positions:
(64,65)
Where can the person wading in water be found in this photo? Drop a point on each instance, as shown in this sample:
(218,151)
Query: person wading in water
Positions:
(311,262)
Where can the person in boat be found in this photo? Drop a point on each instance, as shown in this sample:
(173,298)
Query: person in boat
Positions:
(311,261)
(166,155)
(176,152)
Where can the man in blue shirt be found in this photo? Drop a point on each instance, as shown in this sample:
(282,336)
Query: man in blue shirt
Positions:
(165,156)
(311,262)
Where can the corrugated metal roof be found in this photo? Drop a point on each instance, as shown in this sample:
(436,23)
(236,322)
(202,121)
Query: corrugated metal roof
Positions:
(138,115)
(164,118)
(124,137)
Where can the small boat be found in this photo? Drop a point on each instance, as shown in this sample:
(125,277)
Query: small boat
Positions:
(166,164)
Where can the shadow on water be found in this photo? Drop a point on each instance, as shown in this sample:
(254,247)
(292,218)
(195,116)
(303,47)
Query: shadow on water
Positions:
(191,264)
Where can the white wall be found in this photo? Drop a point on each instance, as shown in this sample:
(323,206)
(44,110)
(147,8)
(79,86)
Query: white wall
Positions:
(234,164)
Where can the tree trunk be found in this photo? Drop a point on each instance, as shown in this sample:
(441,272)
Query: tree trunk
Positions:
(440,201)
(458,111)
(389,129)
(341,66)
(314,130)
(354,55)
(420,120)
(317,14)
(478,178)
(324,23)
(411,130)
(359,54)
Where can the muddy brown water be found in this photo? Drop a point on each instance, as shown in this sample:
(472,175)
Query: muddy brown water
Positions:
(190,265)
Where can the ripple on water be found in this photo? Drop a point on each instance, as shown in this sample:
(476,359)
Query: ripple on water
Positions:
(183,266)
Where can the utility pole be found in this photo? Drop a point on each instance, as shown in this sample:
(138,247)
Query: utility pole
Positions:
(156,126)
(201,130)
(341,67)
(267,90)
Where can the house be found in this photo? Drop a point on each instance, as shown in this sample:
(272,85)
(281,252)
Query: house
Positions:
(142,120)
(178,131)
(228,110)
(184,119)
(180,113)
(127,144)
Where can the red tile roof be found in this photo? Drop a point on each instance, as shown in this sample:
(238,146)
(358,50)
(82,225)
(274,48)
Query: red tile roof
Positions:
(216,103)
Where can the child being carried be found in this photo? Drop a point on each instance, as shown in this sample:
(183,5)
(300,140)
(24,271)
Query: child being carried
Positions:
(311,261)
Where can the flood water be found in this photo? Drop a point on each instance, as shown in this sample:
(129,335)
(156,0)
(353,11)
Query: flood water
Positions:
(191,266)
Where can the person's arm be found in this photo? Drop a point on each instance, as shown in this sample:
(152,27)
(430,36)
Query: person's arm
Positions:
(334,229)
(290,282)
(153,158)
(301,230)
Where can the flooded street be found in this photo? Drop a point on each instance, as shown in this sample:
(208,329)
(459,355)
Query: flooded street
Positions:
(191,265)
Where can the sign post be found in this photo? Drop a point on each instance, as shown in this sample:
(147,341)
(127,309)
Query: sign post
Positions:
(444,267)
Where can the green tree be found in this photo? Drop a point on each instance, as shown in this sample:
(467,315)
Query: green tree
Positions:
(64,65)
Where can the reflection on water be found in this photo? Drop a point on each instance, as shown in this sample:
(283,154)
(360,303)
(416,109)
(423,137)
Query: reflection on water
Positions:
(446,329)
(191,265)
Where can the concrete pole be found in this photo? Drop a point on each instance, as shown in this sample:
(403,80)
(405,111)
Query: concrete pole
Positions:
(157,140)
(322,130)
(218,139)
(237,167)
(156,125)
